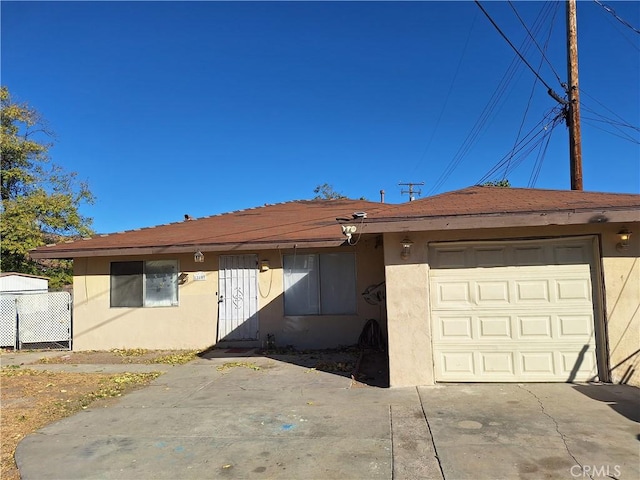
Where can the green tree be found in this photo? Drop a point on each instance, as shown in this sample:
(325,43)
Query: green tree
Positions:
(326,192)
(40,201)
(498,183)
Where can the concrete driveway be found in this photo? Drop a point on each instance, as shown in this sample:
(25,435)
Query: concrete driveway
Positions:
(287,421)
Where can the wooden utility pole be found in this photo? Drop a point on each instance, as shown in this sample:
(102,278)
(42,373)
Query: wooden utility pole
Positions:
(573,113)
(411,190)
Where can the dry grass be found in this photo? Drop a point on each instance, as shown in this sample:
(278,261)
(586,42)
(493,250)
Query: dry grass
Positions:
(123,356)
(32,399)
(230,365)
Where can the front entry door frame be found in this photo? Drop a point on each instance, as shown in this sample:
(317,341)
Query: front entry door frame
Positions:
(238,298)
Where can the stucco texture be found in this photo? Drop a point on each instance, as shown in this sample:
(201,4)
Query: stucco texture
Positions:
(615,275)
(622,297)
(193,323)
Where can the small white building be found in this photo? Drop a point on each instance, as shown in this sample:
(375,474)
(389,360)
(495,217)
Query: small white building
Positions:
(16,283)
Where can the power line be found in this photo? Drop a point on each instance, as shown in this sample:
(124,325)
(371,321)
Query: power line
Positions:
(446,100)
(549,89)
(623,121)
(533,87)
(617,17)
(544,57)
(615,124)
(492,104)
(537,168)
(622,134)
(533,138)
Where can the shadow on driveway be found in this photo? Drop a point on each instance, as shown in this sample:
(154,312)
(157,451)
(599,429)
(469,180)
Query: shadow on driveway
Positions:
(623,399)
(366,366)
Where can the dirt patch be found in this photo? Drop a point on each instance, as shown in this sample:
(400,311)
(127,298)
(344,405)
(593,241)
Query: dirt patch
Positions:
(365,366)
(122,356)
(339,361)
(32,399)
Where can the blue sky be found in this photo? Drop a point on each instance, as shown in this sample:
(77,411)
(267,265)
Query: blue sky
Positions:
(173,108)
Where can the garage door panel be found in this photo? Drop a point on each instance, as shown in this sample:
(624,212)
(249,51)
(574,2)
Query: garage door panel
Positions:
(450,258)
(454,294)
(458,363)
(491,327)
(455,328)
(536,327)
(572,290)
(581,364)
(535,364)
(496,363)
(493,365)
(492,292)
(530,255)
(485,326)
(576,327)
(570,254)
(515,311)
(490,257)
(532,291)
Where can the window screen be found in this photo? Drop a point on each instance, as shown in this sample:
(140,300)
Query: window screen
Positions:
(301,285)
(144,284)
(338,283)
(323,284)
(161,281)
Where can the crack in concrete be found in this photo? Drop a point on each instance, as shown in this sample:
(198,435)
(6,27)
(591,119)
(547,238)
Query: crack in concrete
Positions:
(562,436)
(391,439)
(433,442)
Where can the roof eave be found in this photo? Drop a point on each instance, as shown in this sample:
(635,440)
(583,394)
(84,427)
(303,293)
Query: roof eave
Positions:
(499,220)
(69,253)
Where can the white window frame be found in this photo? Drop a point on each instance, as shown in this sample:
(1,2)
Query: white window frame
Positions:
(147,281)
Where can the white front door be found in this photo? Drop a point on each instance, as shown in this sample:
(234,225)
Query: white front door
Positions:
(513,311)
(238,298)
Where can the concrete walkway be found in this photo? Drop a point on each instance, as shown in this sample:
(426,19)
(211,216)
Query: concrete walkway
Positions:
(287,421)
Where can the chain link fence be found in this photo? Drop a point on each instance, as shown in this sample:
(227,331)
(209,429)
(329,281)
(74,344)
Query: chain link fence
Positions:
(39,320)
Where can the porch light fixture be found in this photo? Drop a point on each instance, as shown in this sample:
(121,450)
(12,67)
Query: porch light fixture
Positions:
(198,257)
(625,236)
(406,248)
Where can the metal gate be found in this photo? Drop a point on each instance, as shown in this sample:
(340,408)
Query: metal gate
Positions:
(39,320)
(238,298)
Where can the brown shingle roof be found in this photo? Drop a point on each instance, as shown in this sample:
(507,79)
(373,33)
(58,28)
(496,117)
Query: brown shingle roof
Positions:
(486,207)
(310,222)
(313,223)
(485,199)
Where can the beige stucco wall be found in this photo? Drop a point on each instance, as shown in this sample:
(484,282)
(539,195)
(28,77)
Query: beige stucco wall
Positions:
(97,326)
(410,354)
(320,331)
(408,311)
(193,323)
(621,271)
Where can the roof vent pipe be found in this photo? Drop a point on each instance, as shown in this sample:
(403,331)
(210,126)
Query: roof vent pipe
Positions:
(381,196)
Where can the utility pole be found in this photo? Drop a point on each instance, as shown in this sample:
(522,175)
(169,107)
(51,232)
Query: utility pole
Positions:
(573,113)
(411,191)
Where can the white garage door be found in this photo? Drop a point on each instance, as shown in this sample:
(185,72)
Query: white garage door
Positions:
(513,311)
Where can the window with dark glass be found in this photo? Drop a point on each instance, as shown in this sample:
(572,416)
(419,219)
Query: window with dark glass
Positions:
(144,284)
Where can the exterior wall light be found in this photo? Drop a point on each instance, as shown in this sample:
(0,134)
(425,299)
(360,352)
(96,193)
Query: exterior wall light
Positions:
(198,257)
(406,248)
(625,236)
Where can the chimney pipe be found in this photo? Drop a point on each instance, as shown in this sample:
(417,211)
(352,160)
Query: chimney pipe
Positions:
(381,196)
